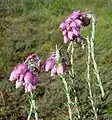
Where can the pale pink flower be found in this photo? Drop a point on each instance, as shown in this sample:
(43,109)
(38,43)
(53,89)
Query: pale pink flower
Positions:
(14,75)
(19,83)
(70,35)
(76,31)
(54,70)
(62,26)
(22,68)
(75,14)
(68,20)
(78,22)
(21,77)
(28,87)
(66,39)
(28,77)
(60,69)
(49,64)
(35,80)
(73,24)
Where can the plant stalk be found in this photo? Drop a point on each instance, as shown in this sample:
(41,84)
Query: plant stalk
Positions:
(89,81)
(93,55)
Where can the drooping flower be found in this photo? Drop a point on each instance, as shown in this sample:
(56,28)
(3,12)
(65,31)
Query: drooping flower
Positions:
(14,75)
(61,68)
(70,28)
(55,64)
(23,75)
(19,83)
(50,62)
(54,70)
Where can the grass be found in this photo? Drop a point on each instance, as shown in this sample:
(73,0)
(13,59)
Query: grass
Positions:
(32,26)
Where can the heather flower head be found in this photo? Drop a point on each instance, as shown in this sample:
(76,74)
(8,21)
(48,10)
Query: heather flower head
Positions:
(70,28)
(55,64)
(23,74)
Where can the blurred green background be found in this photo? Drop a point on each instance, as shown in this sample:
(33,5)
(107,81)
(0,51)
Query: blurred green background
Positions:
(28,26)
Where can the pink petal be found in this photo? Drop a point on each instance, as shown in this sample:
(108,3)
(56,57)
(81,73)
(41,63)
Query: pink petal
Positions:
(14,75)
(35,80)
(54,70)
(75,14)
(68,20)
(76,31)
(21,78)
(73,24)
(28,77)
(49,64)
(70,35)
(68,27)
(18,83)
(60,69)
(22,68)
(62,26)
(28,87)
(66,39)
(78,22)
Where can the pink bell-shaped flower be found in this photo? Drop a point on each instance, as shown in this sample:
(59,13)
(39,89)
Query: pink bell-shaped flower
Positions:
(35,80)
(19,83)
(60,69)
(73,24)
(76,31)
(54,70)
(70,35)
(21,77)
(49,64)
(78,22)
(68,20)
(75,14)
(62,26)
(28,77)
(66,39)
(22,68)
(28,87)
(68,27)
(14,75)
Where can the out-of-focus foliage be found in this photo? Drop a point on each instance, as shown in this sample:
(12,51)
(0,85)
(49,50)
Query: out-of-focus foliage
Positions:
(28,26)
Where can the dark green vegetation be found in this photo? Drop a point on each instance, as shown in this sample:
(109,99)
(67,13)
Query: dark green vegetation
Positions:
(28,26)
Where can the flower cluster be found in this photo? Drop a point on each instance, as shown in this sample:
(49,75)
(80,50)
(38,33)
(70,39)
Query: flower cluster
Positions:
(70,28)
(23,74)
(54,66)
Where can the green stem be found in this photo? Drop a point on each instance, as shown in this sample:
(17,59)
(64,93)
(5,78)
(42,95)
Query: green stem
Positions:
(31,108)
(72,72)
(36,115)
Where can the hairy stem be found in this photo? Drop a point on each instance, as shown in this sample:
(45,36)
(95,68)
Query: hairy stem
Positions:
(89,81)
(93,55)
(73,74)
(32,107)
(68,97)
